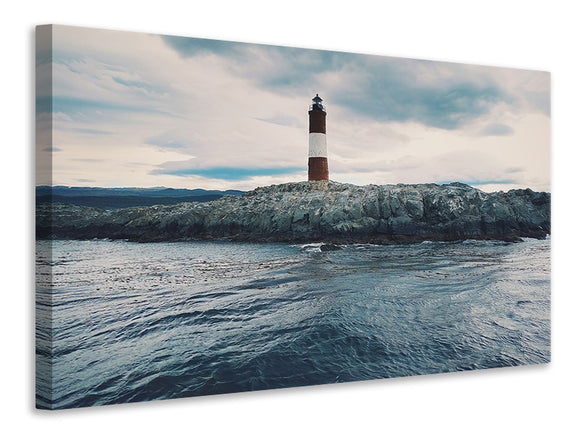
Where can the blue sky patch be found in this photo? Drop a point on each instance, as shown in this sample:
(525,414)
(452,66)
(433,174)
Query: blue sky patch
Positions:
(230,174)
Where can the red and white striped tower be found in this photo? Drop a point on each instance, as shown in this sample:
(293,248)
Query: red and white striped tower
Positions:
(317,159)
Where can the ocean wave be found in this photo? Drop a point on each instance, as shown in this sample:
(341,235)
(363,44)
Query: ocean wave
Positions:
(154,321)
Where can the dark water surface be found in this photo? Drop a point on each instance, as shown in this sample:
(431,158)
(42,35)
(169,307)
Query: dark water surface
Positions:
(135,322)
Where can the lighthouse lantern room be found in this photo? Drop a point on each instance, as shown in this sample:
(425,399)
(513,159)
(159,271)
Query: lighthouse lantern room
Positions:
(317,154)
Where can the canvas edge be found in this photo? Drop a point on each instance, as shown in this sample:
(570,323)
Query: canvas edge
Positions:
(43,251)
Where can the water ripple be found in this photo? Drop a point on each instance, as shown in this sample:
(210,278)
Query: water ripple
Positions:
(135,322)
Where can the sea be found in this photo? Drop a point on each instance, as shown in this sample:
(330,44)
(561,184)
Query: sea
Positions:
(135,322)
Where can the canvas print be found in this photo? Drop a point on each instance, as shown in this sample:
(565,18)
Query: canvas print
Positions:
(216,217)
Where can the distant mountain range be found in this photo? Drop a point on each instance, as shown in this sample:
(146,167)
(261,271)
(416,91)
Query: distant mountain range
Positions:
(122,197)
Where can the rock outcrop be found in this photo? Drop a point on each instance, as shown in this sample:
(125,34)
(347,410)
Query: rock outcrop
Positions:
(317,211)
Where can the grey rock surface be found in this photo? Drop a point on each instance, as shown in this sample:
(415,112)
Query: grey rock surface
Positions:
(317,211)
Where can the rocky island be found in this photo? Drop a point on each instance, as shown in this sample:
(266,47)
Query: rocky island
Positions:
(323,211)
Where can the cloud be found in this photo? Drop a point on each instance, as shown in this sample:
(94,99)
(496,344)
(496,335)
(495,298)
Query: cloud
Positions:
(379,88)
(91,131)
(83,107)
(496,130)
(395,90)
(188,112)
(188,47)
(539,99)
(133,84)
(167,141)
(287,121)
(90,160)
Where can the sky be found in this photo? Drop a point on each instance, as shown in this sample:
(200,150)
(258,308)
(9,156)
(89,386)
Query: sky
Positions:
(142,110)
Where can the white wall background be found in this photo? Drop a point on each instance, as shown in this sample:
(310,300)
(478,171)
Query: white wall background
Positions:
(522,34)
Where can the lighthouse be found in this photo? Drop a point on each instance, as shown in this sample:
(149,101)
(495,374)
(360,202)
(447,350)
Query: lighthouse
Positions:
(317,158)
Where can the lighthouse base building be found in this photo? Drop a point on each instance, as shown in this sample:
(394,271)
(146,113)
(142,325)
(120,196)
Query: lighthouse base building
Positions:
(317,153)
